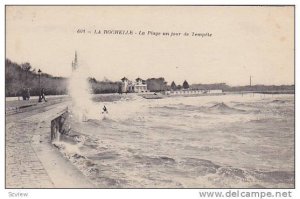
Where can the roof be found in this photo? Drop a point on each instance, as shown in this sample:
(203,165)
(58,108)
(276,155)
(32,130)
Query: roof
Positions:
(124,78)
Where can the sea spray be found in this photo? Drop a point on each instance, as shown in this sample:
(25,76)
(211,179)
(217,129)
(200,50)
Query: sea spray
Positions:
(58,137)
(80,91)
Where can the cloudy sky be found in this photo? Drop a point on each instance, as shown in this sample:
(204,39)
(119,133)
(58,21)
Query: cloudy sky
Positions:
(256,41)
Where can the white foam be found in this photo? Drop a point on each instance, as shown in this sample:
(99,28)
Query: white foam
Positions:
(80,91)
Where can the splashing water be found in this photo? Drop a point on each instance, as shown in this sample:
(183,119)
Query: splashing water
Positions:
(80,92)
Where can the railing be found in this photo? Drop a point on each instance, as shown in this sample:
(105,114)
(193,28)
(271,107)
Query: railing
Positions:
(22,106)
(193,92)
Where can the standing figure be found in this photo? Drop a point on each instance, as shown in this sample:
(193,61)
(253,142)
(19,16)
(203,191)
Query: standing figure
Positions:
(28,94)
(42,95)
(24,94)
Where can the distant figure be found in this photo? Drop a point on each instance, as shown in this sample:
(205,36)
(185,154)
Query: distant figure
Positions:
(104,110)
(42,95)
(24,94)
(28,94)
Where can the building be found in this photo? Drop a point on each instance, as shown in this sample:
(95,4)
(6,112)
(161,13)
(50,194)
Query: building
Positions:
(139,86)
(127,86)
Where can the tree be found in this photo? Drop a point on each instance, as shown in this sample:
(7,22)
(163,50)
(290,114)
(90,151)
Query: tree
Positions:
(26,67)
(173,85)
(156,84)
(120,88)
(92,80)
(185,85)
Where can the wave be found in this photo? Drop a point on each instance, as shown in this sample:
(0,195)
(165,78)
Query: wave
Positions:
(167,107)
(113,98)
(276,176)
(199,166)
(102,122)
(215,108)
(279,101)
(104,155)
(262,120)
(118,155)
(219,175)
(224,108)
(227,176)
(246,105)
(149,160)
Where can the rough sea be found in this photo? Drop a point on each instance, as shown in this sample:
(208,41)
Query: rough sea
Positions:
(225,141)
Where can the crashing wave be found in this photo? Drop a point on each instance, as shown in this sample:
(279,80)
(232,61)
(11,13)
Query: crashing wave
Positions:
(225,108)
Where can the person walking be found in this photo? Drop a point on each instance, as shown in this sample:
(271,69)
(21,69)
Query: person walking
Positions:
(42,95)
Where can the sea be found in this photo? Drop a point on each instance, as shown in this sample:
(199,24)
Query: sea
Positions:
(223,141)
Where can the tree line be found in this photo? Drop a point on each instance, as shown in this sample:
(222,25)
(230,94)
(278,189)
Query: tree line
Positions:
(24,76)
(20,76)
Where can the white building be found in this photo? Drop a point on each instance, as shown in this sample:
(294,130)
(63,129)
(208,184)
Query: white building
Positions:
(139,86)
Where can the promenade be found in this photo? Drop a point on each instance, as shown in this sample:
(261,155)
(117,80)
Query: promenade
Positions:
(31,160)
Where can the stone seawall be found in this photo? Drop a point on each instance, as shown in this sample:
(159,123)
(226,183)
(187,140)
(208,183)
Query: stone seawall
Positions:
(60,125)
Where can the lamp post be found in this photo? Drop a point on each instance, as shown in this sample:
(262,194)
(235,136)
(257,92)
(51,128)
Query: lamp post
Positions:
(40,97)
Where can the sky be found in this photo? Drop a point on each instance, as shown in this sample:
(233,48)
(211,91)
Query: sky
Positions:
(245,41)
